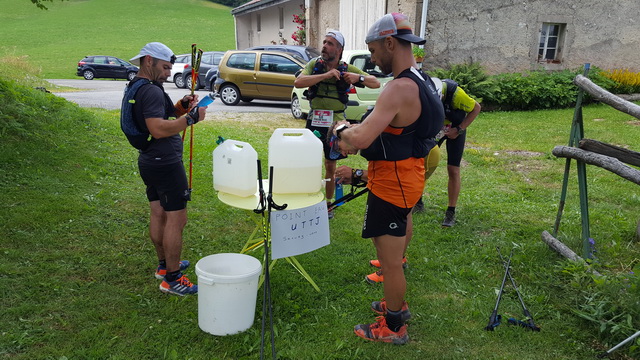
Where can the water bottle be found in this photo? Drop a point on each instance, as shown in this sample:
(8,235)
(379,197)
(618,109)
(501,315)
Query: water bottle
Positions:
(339,191)
(207,100)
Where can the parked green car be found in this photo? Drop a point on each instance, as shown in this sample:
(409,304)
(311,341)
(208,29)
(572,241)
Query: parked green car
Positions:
(359,98)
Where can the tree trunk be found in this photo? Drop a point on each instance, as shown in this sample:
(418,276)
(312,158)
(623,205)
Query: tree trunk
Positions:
(563,249)
(605,162)
(625,155)
(606,97)
(559,247)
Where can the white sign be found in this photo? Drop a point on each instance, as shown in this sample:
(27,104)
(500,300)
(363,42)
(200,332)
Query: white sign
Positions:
(299,231)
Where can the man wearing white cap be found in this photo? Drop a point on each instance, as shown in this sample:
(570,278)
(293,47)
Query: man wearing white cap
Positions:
(160,160)
(395,138)
(329,79)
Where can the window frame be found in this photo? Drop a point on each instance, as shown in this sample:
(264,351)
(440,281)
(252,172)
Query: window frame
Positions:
(545,35)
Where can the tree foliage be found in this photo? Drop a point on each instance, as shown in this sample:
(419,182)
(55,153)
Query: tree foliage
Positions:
(231,3)
(40,3)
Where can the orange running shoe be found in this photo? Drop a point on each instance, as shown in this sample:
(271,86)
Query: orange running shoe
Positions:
(379,331)
(380,307)
(376,263)
(162,271)
(375,278)
(182,286)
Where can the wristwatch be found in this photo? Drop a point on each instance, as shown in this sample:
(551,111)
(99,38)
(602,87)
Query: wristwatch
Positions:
(460,130)
(362,78)
(356,176)
(340,129)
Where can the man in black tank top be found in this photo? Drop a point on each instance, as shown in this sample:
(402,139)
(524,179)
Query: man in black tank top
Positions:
(407,108)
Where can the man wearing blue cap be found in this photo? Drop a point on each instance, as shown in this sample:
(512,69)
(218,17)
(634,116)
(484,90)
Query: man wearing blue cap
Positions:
(160,161)
(329,79)
(394,138)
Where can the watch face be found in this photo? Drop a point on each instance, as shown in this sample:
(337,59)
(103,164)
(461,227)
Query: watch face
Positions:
(358,172)
(361,78)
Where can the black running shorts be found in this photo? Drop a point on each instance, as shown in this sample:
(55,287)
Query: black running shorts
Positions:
(383,218)
(455,148)
(166,183)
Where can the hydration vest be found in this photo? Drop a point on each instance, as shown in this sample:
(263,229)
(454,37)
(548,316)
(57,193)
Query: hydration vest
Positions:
(417,139)
(136,133)
(341,86)
(456,116)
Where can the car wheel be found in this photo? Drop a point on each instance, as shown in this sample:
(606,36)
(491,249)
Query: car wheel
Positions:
(229,94)
(187,83)
(88,74)
(296,110)
(211,86)
(131,75)
(179,81)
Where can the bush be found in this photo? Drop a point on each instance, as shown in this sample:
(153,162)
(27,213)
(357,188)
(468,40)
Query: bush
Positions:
(471,77)
(624,80)
(610,302)
(533,90)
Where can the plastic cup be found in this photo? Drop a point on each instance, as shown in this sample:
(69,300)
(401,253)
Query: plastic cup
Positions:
(207,100)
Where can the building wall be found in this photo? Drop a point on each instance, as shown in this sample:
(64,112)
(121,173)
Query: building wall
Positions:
(503,35)
(247,34)
(325,14)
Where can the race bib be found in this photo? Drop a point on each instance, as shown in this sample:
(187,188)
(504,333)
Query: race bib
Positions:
(322,118)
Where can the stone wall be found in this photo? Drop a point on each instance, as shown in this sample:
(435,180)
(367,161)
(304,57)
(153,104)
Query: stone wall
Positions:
(503,35)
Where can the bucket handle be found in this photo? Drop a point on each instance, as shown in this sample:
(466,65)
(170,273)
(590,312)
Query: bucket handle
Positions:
(205,280)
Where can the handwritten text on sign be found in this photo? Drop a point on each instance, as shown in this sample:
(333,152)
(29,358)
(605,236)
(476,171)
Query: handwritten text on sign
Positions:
(299,231)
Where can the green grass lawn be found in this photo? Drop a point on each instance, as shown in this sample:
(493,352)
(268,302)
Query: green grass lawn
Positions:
(77,269)
(55,40)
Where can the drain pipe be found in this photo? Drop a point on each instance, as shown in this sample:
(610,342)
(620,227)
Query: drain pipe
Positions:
(423,19)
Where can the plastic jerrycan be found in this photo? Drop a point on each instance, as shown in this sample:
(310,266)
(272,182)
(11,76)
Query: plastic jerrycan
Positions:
(296,157)
(235,168)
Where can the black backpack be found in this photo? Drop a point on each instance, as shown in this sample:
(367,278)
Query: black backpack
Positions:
(137,134)
(456,116)
(341,86)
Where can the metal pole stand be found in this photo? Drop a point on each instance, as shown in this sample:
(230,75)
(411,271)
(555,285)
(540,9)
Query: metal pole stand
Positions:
(266,203)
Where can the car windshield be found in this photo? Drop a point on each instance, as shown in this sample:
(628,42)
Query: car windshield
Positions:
(313,52)
(363,62)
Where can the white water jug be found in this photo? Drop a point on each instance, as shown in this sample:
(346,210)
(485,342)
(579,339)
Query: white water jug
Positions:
(296,157)
(235,168)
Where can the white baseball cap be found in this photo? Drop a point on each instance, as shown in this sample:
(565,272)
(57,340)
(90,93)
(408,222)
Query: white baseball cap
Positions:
(396,25)
(438,83)
(336,35)
(156,50)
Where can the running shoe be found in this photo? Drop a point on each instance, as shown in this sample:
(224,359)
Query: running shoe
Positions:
(182,286)
(375,278)
(376,263)
(161,271)
(379,331)
(449,219)
(380,307)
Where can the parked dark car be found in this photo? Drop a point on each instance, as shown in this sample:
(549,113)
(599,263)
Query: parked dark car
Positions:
(210,60)
(100,66)
(305,52)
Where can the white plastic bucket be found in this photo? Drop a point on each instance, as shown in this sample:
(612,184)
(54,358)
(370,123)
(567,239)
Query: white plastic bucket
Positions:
(235,168)
(227,292)
(296,157)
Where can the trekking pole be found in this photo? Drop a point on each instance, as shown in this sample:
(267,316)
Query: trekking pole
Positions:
(606,353)
(529,324)
(494,319)
(190,159)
